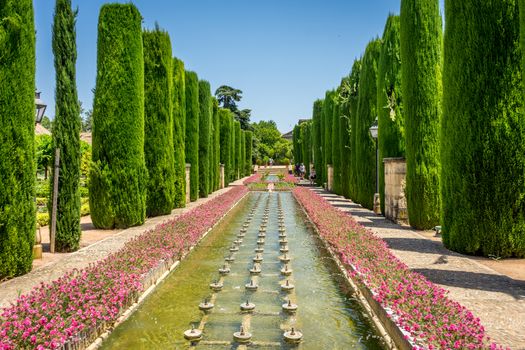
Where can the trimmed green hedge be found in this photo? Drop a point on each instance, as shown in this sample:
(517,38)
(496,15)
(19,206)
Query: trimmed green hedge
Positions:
(17,138)
(242,167)
(249,153)
(336,142)
(158,122)
(237,148)
(389,101)
(66,130)
(192,131)
(179,132)
(344,136)
(205,106)
(317,139)
(328,113)
(421,43)
(225,137)
(118,175)
(306,146)
(366,114)
(296,142)
(216,146)
(483,130)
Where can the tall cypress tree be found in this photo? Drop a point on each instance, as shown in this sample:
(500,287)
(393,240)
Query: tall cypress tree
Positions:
(17,123)
(366,115)
(296,142)
(305,146)
(205,105)
(328,113)
(242,167)
(117,193)
(421,41)
(158,122)
(249,152)
(233,161)
(389,101)
(216,145)
(336,142)
(353,101)
(344,135)
(66,129)
(192,131)
(483,130)
(318,140)
(237,149)
(225,138)
(179,132)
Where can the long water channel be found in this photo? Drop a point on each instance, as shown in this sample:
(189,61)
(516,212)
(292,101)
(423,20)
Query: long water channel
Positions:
(327,314)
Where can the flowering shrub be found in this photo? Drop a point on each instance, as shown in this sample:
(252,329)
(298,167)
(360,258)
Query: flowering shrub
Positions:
(419,307)
(91,298)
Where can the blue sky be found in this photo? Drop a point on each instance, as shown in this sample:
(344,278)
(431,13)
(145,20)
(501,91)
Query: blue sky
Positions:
(282,54)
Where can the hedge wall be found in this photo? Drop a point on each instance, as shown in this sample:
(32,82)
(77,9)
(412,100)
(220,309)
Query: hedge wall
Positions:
(353,101)
(483,130)
(179,132)
(249,153)
(225,138)
(66,130)
(306,146)
(344,136)
(237,148)
(328,113)
(158,122)
(233,157)
(17,122)
(421,41)
(206,110)
(192,131)
(216,146)
(296,141)
(242,167)
(389,101)
(118,176)
(336,142)
(366,114)
(317,139)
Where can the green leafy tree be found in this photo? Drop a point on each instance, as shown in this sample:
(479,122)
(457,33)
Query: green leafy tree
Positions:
(205,105)
(158,125)
(118,175)
(317,133)
(192,131)
(228,97)
(47,123)
(366,115)
(421,42)
(179,132)
(17,138)
(483,130)
(389,101)
(225,139)
(44,153)
(66,130)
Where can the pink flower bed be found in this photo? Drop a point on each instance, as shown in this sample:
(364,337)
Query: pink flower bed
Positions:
(420,308)
(252,179)
(91,298)
(291,178)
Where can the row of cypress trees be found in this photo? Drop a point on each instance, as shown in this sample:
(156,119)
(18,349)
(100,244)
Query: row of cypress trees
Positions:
(149,123)
(454,112)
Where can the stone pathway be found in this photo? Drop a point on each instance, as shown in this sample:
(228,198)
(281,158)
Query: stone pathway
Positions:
(61,263)
(498,300)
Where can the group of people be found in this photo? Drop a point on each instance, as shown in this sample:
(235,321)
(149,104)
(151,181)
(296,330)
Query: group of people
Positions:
(300,171)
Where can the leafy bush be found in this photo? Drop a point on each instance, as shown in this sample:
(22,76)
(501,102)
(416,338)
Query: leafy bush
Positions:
(42,219)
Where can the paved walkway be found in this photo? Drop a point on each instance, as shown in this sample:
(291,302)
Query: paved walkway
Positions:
(59,264)
(498,300)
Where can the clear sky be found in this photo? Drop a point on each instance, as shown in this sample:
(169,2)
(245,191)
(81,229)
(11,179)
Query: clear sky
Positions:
(283,54)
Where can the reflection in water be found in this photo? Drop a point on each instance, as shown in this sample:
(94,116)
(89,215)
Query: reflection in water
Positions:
(327,315)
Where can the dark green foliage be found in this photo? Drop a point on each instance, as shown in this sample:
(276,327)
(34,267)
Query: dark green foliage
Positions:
(192,131)
(336,142)
(242,160)
(421,42)
(306,152)
(328,114)
(216,146)
(249,153)
(233,161)
(353,101)
(389,101)
(297,149)
(317,140)
(179,132)
(118,175)
(366,114)
(225,137)
(206,110)
(483,130)
(17,123)
(158,122)
(237,148)
(66,130)
(344,136)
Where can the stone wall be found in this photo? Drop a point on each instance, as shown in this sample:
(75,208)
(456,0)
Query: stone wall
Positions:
(395,183)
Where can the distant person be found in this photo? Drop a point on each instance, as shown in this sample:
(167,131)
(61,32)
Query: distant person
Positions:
(302,170)
(313,176)
(270,161)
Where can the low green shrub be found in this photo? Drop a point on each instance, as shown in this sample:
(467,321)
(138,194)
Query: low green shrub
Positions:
(84,209)
(42,219)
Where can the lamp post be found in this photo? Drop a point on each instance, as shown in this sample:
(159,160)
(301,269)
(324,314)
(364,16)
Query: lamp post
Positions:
(374,131)
(40,108)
